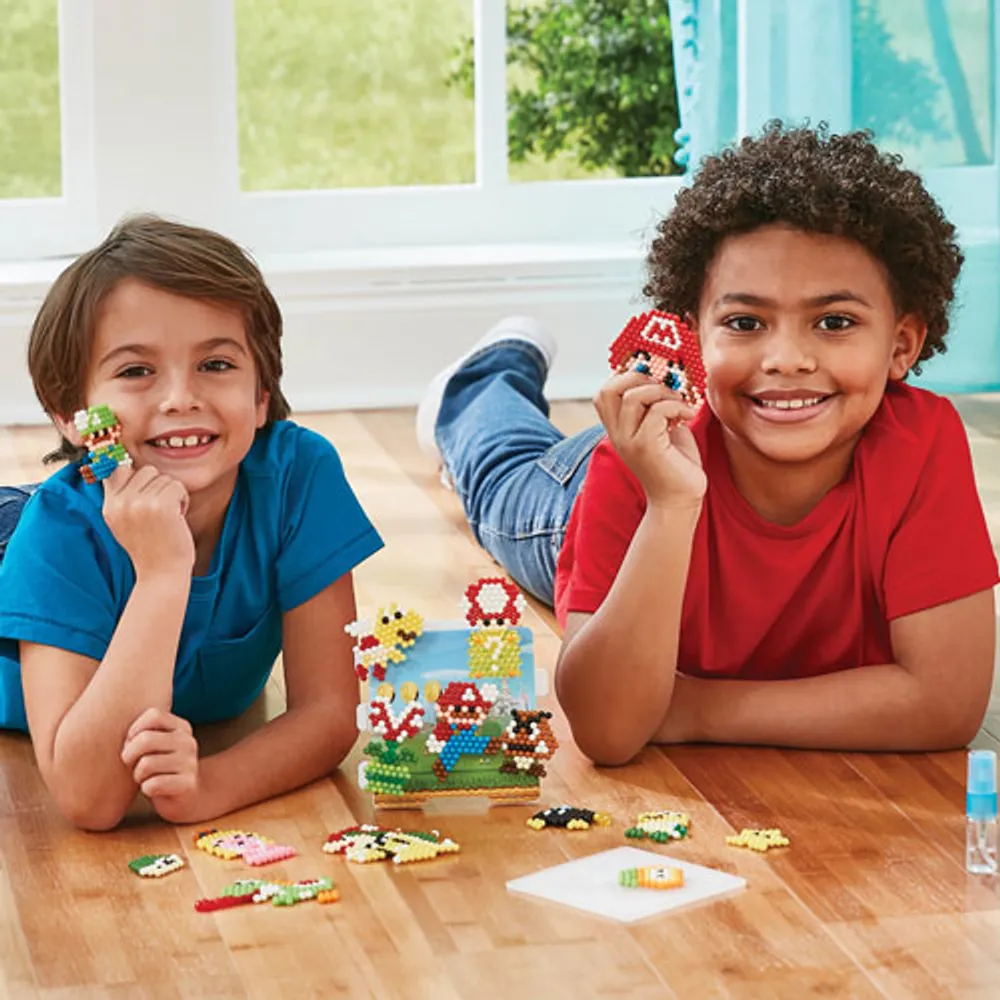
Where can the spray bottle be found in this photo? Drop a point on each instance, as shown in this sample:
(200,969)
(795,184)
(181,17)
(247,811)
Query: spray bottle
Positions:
(981,813)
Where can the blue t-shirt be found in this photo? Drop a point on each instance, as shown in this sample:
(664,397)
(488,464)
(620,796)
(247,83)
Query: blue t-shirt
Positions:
(293,527)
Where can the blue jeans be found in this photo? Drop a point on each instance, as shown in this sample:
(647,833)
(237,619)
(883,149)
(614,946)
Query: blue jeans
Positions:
(12,501)
(515,473)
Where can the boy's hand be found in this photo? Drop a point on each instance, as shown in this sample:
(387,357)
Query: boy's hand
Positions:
(163,754)
(145,511)
(644,421)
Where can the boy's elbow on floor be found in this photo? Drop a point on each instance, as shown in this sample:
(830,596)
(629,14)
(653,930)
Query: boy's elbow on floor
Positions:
(338,751)
(946,731)
(613,758)
(956,725)
(93,818)
(605,752)
(960,733)
(604,748)
(95,814)
(340,740)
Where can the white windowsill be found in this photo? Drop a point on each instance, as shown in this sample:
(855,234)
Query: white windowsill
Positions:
(416,262)
(474,255)
(423,304)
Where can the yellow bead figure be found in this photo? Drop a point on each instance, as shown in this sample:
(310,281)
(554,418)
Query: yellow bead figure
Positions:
(758,840)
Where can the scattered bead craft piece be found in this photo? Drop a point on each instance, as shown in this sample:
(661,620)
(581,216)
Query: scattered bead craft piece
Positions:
(247,892)
(651,878)
(251,847)
(366,843)
(568,818)
(660,826)
(758,840)
(156,865)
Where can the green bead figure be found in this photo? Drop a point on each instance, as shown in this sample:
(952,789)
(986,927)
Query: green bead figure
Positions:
(156,865)
(102,434)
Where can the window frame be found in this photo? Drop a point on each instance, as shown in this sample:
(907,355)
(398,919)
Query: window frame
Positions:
(136,135)
(490,210)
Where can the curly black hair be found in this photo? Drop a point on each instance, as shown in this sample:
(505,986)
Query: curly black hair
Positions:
(821,183)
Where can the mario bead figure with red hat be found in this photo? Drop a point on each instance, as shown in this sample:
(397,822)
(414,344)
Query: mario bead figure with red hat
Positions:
(461,709)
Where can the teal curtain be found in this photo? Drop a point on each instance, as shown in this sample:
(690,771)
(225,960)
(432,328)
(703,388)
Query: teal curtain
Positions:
(704,46)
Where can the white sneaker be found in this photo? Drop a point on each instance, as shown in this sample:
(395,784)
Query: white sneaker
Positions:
(509,328)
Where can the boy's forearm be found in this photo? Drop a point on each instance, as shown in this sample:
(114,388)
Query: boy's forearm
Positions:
(872,708)
(297,747)
(137,673)
(616,675)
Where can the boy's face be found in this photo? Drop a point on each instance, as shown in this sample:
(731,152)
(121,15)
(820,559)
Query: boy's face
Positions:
(179,374)
(799,334)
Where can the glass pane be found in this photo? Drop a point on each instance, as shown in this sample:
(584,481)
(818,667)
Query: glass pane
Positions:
(590,89)
(30,155)
(923,78)
(351,93)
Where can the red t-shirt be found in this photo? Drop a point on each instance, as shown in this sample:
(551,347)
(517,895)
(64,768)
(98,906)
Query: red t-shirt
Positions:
(903,532)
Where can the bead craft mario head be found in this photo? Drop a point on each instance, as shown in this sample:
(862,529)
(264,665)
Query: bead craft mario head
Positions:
(663,346)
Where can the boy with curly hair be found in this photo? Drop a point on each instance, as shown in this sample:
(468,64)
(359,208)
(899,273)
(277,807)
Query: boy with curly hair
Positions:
(161,597)
(804,561)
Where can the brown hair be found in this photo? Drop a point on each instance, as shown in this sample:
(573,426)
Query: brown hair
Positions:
(186,260)
(817,182)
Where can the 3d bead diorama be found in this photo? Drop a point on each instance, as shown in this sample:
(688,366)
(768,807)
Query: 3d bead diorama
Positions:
(455,711)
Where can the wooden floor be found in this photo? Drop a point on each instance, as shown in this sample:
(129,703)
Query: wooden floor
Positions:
(871,899)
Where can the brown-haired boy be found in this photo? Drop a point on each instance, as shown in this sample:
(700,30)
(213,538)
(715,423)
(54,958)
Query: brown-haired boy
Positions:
(131,608)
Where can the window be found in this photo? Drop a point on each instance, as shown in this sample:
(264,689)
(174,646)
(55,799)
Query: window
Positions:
(591,90)
(302,126)
(395,156)
(30,155)
(922,79)
(330,96)
(922,76)
(363,133)
(44,145)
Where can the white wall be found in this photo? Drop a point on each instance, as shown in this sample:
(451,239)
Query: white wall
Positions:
(370,331)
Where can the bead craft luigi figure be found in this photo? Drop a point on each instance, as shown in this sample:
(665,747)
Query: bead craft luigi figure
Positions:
(102,434)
